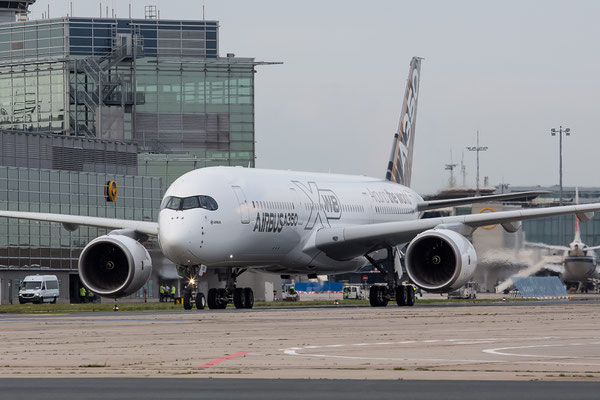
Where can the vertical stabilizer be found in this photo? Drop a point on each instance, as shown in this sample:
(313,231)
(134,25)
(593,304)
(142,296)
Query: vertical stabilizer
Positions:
(400,165)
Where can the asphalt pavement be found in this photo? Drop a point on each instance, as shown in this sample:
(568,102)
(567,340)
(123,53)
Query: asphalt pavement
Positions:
(260,389)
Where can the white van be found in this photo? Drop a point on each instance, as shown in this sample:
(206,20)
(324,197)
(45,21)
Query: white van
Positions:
(39,289)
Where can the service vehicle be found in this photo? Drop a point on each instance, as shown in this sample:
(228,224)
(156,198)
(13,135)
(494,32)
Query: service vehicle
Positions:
(39,289)
(468,291)
(355,292)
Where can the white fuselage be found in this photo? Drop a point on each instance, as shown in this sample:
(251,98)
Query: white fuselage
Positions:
(266,218)
(580,263)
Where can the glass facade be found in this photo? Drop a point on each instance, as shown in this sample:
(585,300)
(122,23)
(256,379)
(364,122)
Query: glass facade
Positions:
(202,113)
(158,83)
(33,40)
(66,192)
(160,38)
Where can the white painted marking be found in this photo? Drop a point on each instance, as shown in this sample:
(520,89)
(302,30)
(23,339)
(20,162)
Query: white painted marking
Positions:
(500,351)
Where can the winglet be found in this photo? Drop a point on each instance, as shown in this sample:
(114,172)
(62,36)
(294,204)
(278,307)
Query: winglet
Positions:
(400,165)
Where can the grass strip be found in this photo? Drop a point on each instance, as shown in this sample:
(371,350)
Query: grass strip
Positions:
(157,306)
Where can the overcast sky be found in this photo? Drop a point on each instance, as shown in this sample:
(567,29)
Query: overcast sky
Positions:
(511,69)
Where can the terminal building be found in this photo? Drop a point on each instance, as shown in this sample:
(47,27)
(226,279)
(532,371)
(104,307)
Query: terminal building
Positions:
(85,101)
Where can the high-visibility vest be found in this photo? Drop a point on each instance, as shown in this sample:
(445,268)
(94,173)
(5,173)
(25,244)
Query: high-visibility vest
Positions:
(173,289)
(162,289)
(82,291)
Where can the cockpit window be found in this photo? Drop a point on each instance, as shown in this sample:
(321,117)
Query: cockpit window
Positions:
(190,202)
(187,203)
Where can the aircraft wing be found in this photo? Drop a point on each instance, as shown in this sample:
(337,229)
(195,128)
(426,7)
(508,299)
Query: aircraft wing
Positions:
(72,222)
(547,246)
(434,204)
(593,248)
(343,243)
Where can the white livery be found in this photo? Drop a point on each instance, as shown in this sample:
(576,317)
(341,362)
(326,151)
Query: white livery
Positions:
(298,222)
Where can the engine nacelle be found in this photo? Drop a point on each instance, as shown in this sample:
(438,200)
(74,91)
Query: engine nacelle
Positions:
(440,260)
(114,265)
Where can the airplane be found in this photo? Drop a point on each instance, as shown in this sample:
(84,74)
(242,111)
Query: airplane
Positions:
(579,262)
(231,219)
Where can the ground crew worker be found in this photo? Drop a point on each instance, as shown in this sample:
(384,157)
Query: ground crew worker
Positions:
(167,291)
(82,293)
(91,296)
(173,292)
(162,293)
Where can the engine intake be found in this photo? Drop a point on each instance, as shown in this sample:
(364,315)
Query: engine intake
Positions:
(440,260)
(114,265)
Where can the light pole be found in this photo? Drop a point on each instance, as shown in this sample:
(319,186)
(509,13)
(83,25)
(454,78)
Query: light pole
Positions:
(560,132)
(477,149)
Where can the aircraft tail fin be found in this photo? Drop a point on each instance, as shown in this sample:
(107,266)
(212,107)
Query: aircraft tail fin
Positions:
(400,165)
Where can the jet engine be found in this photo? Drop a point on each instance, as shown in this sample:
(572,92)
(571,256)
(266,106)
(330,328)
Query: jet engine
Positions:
(114,265)
(440,260)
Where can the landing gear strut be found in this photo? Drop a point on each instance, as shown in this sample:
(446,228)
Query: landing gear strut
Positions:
(217,298)
(240,297)
(380,295)
(191,295)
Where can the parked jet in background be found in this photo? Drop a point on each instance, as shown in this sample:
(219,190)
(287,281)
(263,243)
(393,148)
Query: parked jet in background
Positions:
(232,219)
(579,263)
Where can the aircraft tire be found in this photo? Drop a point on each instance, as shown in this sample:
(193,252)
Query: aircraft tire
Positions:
(200,301)
(212,299)
(377,296)
(373,296)
(383,298)
(248,297)
(239,298)
(410,296)
(401,298)
(222,299)
(187,300)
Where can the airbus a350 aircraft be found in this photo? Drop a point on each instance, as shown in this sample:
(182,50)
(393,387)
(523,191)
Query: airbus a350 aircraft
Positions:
(297,223)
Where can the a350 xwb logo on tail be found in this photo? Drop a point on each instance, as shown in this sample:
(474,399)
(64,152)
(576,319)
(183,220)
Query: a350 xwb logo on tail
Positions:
(399,167)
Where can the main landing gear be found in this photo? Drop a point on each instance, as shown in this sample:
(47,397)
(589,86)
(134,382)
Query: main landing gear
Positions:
(240,297)
(380,295)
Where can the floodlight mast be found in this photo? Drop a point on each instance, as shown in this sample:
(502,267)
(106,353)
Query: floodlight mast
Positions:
(477,149)
(567,132)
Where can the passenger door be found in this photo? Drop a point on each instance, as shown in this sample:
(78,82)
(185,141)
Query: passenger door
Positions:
(241,198)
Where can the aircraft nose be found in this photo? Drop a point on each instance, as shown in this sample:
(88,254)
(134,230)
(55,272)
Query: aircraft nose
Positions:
(175,242)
